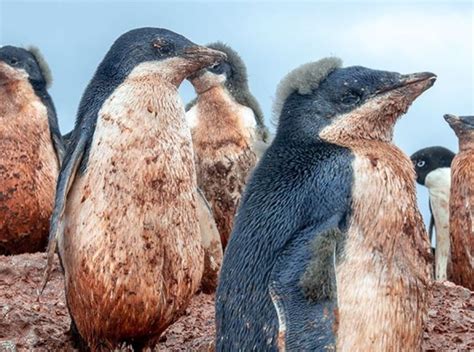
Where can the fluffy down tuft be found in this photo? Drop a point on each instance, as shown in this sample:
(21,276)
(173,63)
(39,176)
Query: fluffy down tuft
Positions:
(303,80)
(45,70)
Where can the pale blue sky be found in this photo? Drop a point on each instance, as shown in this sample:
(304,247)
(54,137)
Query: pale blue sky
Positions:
(272,38)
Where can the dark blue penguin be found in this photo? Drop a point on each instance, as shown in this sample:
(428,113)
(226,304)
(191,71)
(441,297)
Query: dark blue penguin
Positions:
(329,250)
(125,216)
(31,150)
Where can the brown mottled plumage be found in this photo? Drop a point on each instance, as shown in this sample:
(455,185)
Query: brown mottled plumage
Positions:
(28,165)
(461,204)
(384,275)
(146,261)
(226,123)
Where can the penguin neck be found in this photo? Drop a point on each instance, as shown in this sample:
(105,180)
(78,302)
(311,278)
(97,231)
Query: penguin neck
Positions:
(220,123)
(146,94)
(438,182)
(15,95)
(466,141)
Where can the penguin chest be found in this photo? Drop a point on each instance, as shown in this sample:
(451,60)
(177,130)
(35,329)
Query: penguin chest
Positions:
(439,184)
(223,132)
(383,272)
(462,219)
(28,170)
(132,244)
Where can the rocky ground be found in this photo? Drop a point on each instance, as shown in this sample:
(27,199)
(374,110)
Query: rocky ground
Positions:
(31,324)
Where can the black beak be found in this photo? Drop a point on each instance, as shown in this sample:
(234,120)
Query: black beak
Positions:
(203,56)
(421,81)
(465,121)
(412,78)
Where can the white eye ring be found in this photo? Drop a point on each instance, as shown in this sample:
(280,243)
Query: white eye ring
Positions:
(420,163)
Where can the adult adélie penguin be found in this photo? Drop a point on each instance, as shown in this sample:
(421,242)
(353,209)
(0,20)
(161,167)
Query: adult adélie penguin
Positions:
(125,218)
(31,150)
(329,250)
(433,170)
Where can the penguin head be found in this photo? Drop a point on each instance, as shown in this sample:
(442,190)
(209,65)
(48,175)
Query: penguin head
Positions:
(24,64)
(430,159)
(156,51)
(324,100)
(230,72)
(463,126)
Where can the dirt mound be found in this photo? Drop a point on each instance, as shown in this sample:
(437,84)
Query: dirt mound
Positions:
(28,324)
(450,325)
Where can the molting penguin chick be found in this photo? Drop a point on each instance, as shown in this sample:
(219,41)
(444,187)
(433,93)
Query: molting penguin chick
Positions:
(226,124)
(31,150)
(433,170)
(328,225)
(126,195)
(461,204)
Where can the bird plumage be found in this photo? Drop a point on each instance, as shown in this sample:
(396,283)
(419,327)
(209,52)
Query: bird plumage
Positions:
(226,124)
(330,179)
(433,169)
(31,152)
(461,204)
(125,216)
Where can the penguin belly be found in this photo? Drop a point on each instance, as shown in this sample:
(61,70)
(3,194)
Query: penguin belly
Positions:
(28,170)
(439,184)
(383,272)
(223,182)
(131,249)
(223,134)
(462,220)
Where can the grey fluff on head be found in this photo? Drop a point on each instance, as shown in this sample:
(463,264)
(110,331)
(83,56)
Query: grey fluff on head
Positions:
(43,65)
(303,80)
(237,85)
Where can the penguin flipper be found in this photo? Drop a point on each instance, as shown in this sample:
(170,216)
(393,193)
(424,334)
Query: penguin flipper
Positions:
(66,177)
(211,243)
(303,295)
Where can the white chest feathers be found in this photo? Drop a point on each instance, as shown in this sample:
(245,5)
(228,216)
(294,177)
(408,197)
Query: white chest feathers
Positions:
(438,183)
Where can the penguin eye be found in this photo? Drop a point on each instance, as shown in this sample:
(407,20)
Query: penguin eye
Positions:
(350,98)
(420,163)
(217,68)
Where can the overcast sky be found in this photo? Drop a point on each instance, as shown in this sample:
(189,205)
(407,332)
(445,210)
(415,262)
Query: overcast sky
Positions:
(272,38)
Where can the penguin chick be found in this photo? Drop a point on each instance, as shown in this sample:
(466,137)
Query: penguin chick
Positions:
(331,171)
(227,128)
(125,217)
(31,150)
(461,203)
(433,170)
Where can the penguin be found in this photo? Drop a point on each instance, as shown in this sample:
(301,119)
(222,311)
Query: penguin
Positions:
(125,214)
(227,127)
(433,170)
(461,203)
(31,150)
(329,250)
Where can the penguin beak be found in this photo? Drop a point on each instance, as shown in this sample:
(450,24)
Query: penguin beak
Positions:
(464,122)
(423,80)
(200,56)
(408,86)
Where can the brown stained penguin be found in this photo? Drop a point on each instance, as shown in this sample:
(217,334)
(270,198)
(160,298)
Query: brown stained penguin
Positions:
(329,250)
(227,128)
(30,151)
(131,248)
(461,203)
